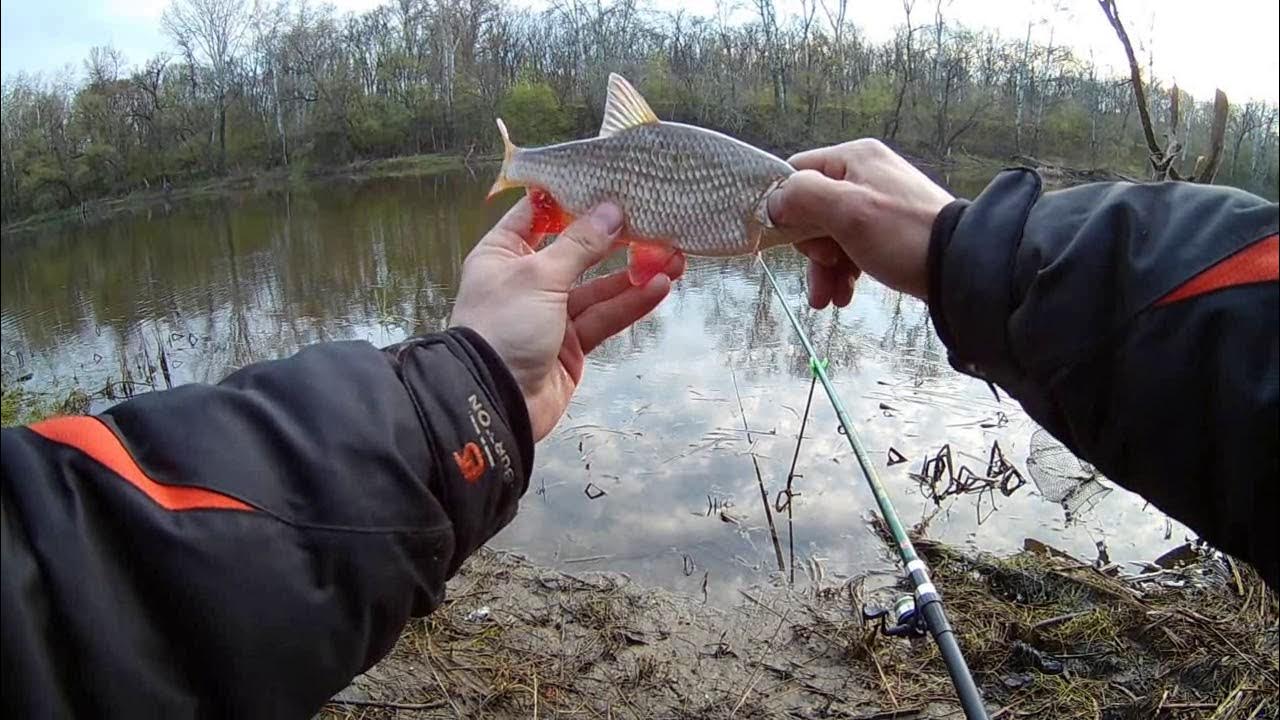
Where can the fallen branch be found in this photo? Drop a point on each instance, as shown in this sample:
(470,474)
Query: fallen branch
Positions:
(387,704)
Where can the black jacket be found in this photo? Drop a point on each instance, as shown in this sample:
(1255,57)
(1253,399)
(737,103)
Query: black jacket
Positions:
(245,549)
(1140,324)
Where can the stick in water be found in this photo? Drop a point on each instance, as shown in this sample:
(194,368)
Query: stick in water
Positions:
(764,494)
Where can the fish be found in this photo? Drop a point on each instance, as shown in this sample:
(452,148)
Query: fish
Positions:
(681,188)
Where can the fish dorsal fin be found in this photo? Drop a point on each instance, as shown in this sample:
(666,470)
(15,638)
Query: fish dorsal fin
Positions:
(624,108)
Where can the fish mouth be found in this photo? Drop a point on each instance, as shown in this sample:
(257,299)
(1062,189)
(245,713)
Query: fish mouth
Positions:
(769,233)
(762,205)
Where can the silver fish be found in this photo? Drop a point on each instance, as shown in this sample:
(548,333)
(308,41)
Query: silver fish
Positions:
(681,187)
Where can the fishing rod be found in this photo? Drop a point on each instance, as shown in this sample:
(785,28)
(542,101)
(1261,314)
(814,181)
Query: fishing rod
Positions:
(911,616)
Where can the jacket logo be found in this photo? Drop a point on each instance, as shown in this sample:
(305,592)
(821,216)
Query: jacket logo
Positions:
(470,462)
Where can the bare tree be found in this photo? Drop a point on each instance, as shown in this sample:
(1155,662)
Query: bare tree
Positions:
(268,22)
(905,62)
(836,19)
(769,25)
(1162,158)
(1246,122)
(104,65)
(212,30)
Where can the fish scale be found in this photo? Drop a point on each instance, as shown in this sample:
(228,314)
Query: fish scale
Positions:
(681,187)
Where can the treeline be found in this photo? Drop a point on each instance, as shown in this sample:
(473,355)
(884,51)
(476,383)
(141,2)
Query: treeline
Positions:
(248,87)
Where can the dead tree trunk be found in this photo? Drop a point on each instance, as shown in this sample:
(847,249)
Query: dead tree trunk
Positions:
(1162,159)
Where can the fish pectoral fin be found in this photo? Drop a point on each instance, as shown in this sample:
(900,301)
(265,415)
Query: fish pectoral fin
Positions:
(549,217)
(624,107)
(647,259)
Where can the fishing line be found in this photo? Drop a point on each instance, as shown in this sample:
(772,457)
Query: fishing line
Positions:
(927,608)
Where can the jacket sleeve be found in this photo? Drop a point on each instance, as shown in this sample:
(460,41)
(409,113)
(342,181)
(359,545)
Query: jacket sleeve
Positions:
(1136,323)
(245,549)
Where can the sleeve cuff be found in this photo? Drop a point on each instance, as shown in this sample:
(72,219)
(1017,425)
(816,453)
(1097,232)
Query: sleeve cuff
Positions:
(970,264)
(477,428)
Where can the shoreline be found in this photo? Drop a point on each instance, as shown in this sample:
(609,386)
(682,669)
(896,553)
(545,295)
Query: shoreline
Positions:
(94,211)
(1045,634)
(91,212)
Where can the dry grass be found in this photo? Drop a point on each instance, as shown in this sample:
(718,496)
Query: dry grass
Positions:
(1183,643)
(1045,636)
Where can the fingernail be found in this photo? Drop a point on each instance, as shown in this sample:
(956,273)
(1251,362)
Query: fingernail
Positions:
(607,218)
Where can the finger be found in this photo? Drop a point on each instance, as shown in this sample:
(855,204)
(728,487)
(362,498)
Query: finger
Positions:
(571,355)
(596,291)
(609,286)
(512,230)
(828,160)
(583,244)
(842,292)
(606,319)
(820,285)
(809,199)
(675,266)
(823,251)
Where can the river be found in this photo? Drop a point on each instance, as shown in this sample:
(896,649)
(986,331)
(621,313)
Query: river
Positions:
(651,472)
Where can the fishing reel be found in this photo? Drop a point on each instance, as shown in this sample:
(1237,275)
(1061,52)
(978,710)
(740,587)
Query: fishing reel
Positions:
(906,620)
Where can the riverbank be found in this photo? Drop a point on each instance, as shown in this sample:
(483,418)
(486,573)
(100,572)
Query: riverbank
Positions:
(967,174)
(1045,636)
(100,209)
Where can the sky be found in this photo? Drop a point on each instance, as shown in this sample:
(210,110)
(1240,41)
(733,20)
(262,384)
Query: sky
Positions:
(1230,44)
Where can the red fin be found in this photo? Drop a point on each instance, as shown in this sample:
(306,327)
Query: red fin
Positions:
(548,217)
(646,259)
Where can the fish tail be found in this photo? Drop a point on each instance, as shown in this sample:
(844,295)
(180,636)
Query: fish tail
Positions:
(508,152)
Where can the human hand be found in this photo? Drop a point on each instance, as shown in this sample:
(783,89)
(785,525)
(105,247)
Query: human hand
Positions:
(524,304)
(868,209)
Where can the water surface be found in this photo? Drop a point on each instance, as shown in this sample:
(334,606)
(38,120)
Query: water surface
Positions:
(655,433)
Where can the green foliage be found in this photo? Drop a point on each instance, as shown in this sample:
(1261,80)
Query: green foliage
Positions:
(379,127)
(533,115)
(874,101)
(1067,126)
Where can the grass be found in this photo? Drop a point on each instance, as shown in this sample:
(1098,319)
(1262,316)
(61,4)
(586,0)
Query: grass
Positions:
(1185,642)
(1044,636)
(23,407)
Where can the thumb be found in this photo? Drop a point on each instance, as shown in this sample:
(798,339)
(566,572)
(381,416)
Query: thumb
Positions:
(583,244)
(808,200)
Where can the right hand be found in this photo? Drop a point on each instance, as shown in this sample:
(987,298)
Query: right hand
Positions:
(869,210)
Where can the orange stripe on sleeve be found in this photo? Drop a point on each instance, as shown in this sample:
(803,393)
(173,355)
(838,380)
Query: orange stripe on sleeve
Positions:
(93,438)
(1257,263)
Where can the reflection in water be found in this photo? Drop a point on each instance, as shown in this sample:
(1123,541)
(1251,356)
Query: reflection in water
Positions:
(197,291)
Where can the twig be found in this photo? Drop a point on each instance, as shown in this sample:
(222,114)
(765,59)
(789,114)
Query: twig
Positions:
(432,666)
(760,671)
(761,603)
(764,494)
(389,705)
(1061,618)
(592,558)
(791,475)
(884,681)
(895,714)
(1235,573)
(1227,703)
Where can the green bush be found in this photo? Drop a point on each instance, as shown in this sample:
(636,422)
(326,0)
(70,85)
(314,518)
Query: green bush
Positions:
(534,115)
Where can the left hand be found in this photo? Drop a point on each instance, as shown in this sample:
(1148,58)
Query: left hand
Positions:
(524,303)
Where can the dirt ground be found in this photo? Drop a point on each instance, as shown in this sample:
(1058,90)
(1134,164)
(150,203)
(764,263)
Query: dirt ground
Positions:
(1045,635)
